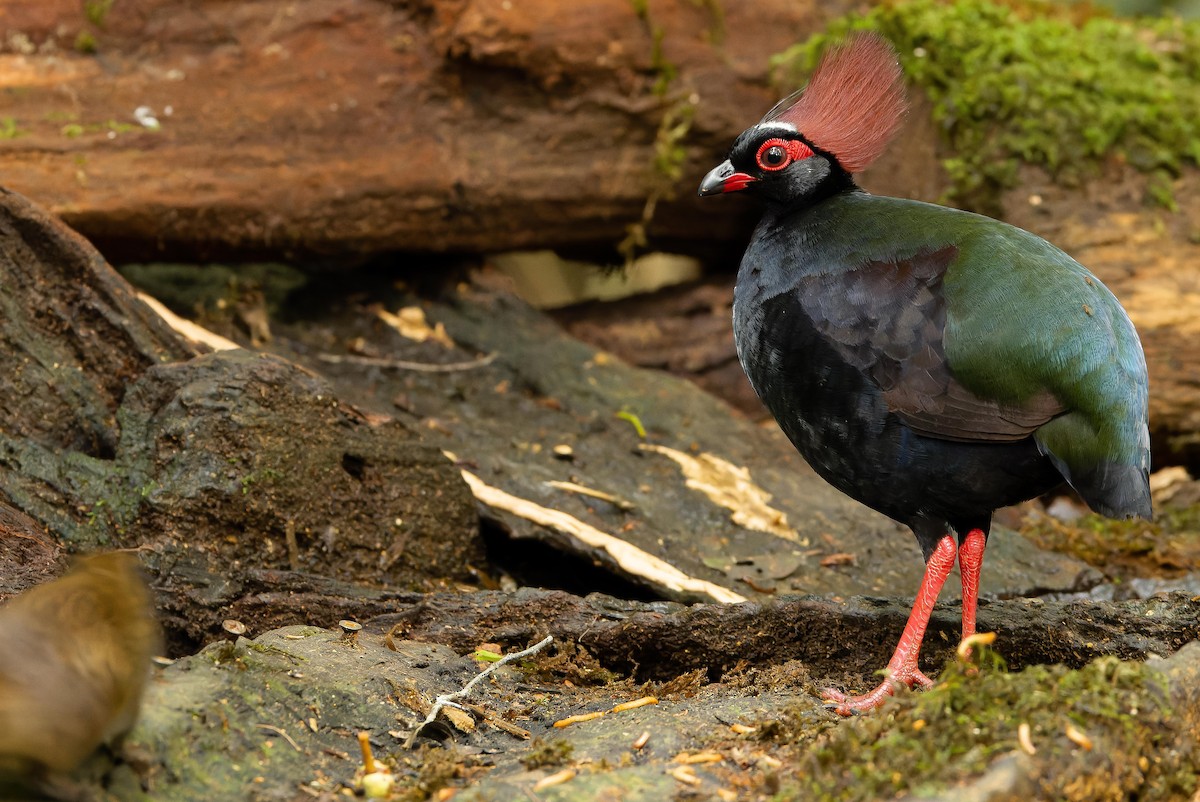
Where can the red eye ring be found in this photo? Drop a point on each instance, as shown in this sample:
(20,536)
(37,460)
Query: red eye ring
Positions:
(793,150)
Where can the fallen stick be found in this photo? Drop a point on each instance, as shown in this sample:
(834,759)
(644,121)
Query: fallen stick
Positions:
(447,699)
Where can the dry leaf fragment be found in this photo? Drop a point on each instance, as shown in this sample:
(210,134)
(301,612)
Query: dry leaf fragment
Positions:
(497,722)
(410,323)
(731,487)
(572,487)
(969,642)
(558,778)
(1079,737)
(1024,739)
(838,558)
(685,775)
(579,719)
(459,718)
(636,703)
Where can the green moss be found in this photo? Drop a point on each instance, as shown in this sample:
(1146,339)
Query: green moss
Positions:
(1124,548)
(716,14)
(96,11)
(266,475)
(569,662)
(795,723)
(85,42)
(1032,85)
(678,111)
(9,128)
(545,754)
(427,771)
(923,743)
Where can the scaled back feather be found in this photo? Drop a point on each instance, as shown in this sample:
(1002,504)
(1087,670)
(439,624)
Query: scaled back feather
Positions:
(853,104)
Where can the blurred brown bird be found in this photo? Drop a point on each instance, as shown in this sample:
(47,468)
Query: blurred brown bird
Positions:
(74,663)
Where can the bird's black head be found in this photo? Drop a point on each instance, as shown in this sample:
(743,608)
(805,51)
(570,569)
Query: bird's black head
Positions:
(774,161)
(807,147)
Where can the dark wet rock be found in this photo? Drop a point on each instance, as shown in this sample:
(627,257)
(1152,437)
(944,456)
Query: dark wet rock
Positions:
(245,461)
(270,445)
(283,710)
(854,637)
(72,335)
(287,705)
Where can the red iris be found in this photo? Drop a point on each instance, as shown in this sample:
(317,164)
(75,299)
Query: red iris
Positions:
(776,154)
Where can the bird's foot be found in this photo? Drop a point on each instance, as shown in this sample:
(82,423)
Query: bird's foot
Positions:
(845,705)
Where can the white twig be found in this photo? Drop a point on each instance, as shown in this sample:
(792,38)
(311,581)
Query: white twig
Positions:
(447,699)
(191,331)
(404,364)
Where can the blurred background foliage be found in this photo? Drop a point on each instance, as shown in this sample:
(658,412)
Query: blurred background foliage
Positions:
(1062,86)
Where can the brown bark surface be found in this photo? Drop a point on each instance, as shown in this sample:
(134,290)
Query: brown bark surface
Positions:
(350,127)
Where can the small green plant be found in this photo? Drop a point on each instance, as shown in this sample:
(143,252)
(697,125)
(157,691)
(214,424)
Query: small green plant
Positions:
(96,11)
(119,127)
(85,42)
(9,129)
(716,13)
(1009,87)
(670,154)
(634,421)
(268,475)
(97,509)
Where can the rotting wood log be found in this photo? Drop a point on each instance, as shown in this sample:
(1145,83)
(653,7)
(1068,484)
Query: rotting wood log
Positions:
(663,640)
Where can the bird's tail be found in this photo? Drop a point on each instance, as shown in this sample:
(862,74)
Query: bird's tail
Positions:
(1111,489)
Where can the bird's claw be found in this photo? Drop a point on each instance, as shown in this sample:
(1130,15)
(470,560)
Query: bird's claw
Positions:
(919,680)
(845,705)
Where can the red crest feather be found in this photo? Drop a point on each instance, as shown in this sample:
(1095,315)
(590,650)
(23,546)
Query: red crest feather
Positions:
(854,103)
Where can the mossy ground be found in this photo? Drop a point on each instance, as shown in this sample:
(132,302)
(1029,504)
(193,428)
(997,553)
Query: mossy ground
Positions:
(423,773)
(1033,83)
(547,752)
(1168,545)
(924,743)
(571,663)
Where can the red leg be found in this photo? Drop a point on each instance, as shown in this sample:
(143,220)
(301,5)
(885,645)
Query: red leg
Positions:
(970,562)
(902,668)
